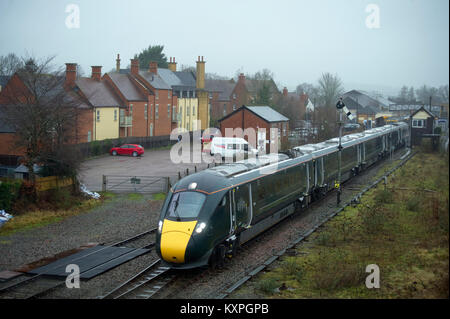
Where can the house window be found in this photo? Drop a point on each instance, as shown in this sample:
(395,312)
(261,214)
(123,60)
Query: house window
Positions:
(224,109)
(419,123)
(181,94)
(168,111)
(146,111)
(188,110)
(174,113)
(115,115)
(157,111)
(98,115)
(284,129)
(131,110)
(234,107)
(156,94)
(151,111)
(210,96)
(193,110)
(234,96)
(151,129)
(89,136)
(168,94)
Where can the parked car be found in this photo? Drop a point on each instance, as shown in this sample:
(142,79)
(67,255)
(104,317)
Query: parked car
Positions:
(127,149)
(227,147)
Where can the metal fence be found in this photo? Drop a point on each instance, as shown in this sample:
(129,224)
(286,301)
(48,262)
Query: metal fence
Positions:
(135,184)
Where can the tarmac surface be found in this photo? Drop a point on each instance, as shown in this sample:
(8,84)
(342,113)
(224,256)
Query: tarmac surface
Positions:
(154,162)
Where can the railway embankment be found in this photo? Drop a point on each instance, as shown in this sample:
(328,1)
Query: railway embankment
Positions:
(401,227)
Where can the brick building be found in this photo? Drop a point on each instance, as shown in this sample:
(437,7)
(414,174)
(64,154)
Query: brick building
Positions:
(261,119)
(422,123)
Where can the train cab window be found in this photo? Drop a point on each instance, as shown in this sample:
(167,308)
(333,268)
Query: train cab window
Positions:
(185,205)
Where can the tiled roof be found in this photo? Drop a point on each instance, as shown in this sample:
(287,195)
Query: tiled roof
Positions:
(4,80)
(268,113)
(155,80)
(5,127)
(187,78)
(98,93)
(224,87)
(126,87)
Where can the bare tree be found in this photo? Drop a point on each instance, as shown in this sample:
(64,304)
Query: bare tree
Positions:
(9,64)
(330,89)
(44,114)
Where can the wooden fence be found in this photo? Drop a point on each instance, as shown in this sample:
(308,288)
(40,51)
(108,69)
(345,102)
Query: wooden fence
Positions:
(51,182)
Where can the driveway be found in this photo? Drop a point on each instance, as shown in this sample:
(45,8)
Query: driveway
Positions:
(152,163)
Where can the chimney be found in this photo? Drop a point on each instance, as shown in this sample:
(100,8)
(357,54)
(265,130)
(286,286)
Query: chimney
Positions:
(71,74)
(241,78)
(118,63)
(96,72)
(200,73)
(172,65)
(134,66)
(285,92)
(153,67)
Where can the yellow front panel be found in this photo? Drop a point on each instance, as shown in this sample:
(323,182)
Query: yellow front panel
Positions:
(174,239)
(108,125)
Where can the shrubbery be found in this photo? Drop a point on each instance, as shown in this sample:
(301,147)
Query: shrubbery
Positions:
(9,192)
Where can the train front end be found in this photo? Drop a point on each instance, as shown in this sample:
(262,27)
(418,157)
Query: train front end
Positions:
(187,230)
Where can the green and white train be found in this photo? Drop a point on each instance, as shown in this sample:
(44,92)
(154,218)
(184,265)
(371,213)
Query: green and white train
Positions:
(207,215)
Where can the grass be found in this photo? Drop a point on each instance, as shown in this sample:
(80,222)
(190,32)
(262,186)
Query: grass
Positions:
(402,228)
(39,218)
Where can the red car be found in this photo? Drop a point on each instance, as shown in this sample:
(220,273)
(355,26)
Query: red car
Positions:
(127,149)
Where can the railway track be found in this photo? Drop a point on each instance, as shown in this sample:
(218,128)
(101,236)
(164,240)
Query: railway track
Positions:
(143,285)
(35,286)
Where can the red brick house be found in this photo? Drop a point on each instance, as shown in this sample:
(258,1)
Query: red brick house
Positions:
(16,88)
(260,119)
(162,103)
(226,96)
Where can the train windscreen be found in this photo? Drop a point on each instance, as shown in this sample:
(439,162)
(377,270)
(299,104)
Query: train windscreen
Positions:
(185,205)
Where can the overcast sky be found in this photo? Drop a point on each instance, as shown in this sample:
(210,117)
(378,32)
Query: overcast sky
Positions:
(390,44)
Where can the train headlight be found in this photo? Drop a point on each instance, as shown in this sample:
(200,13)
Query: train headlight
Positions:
(160,225)
(200,228)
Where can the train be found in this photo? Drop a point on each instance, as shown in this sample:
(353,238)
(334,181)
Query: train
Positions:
(206,216)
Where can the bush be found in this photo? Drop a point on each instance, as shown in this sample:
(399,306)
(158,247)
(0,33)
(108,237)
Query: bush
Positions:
(413,204)
(384,196)
(373,219)
(95,148)
(267,285)
(9,193)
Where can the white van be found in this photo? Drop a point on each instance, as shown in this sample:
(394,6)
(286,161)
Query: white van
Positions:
(228,147)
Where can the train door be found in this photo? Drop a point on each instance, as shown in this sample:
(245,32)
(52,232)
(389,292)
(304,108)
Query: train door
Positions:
(358,154)
(243,205)
(315,169)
